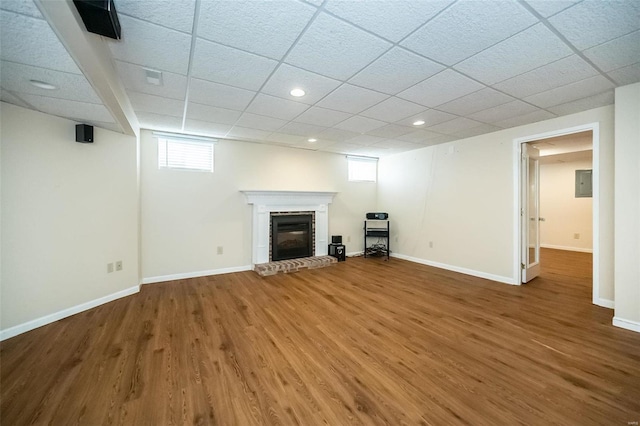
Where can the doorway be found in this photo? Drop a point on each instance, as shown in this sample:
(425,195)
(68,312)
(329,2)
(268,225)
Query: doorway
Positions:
(566,144)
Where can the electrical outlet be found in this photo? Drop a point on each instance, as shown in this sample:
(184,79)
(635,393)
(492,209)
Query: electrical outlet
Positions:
(430,244)
(576,236)
(109,268)
(396,240)
(349,238)
(119,265)
(220,249)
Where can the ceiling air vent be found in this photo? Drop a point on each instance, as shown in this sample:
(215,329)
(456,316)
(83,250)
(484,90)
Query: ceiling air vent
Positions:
(100,17)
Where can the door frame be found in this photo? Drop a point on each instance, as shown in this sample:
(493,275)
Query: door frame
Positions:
(517,240)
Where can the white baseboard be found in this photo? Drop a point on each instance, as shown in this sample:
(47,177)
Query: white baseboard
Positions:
(627,324)
(567,248)
(173,277)
(479,274)
(605,303)
(355,253)
(48,319)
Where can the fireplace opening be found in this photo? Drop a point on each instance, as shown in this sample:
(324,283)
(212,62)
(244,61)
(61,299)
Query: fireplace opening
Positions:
(291,236)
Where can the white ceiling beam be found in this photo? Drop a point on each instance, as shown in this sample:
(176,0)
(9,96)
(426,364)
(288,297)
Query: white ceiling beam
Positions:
(93,57)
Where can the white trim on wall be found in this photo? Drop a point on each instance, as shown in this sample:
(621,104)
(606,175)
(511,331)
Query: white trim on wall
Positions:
(595,129)
(479,274)
(626,324)
(606,303)
(183,276)
(48,319)
(567,248)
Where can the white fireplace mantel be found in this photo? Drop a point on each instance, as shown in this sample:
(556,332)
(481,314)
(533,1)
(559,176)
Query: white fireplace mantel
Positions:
(266,202)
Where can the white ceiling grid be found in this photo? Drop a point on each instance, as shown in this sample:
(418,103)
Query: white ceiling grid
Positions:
(369,69)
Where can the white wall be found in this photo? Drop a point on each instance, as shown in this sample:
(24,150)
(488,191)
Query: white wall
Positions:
(67,210)
(187,215)
(564,214)
(459,196)
(627,207)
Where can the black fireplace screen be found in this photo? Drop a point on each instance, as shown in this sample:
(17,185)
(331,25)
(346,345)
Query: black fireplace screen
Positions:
(291,236)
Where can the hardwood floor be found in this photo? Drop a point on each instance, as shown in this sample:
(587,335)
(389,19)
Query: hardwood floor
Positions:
(363,342)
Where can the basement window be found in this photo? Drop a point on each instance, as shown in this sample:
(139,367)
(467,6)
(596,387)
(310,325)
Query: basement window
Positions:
(362,169)
(185,153)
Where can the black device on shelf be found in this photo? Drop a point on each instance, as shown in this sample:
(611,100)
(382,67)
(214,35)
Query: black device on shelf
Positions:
(379,215)
(338,251)
(376,229)
(336,239)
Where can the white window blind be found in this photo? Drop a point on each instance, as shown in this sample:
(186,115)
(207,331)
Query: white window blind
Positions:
(362,169)
(185,154)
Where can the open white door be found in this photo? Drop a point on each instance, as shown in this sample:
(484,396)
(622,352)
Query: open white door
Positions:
(530,213)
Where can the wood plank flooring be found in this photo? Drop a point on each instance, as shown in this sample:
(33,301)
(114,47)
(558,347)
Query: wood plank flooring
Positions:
(364,342)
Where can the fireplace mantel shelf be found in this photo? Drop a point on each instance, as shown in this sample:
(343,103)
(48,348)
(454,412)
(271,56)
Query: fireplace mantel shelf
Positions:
(285,197)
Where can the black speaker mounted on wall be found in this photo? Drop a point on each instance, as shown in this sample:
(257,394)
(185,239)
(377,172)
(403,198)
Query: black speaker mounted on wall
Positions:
(84,133)
(100,17)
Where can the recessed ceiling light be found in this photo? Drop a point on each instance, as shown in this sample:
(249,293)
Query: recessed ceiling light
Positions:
(418,123)
(312,140)
(43,85)
(297,92)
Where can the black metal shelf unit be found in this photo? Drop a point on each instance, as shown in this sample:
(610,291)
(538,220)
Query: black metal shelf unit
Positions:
(378,229)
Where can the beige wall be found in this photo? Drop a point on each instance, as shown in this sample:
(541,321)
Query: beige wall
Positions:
(187,215)
(67,210)
(627,207)
(460,197)
(564,214)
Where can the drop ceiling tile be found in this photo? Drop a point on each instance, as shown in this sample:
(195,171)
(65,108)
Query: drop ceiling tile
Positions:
(419,136)
(520,120)
(156,104)
(390,131)
(174,14)
(302,129)
(547,8)
(392,20)
(383,74)
(430,117)
(73,110)
(441,88)
(286,139)
(322,117)
(600,100)
(571,92)
(475,131)
(334,48)
(226,65)
(220,95)
(31,41)
(626,75)
(250,134)
(152,46)
(338,134)
(265,28)
(153,121)
(567,70)
(10,98)
(206,128)
(396,144)
(590,23)
(502,112)
(276,107)
(467,28)
(133,77)
(23,7)
(73,87)
(455,125)
(287,77)
(392,109)
(260,122)
(348,98)
(365,140)
(617,53)
(518,54)
(360,124)
(477,101)
(201,112)
(346,148)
